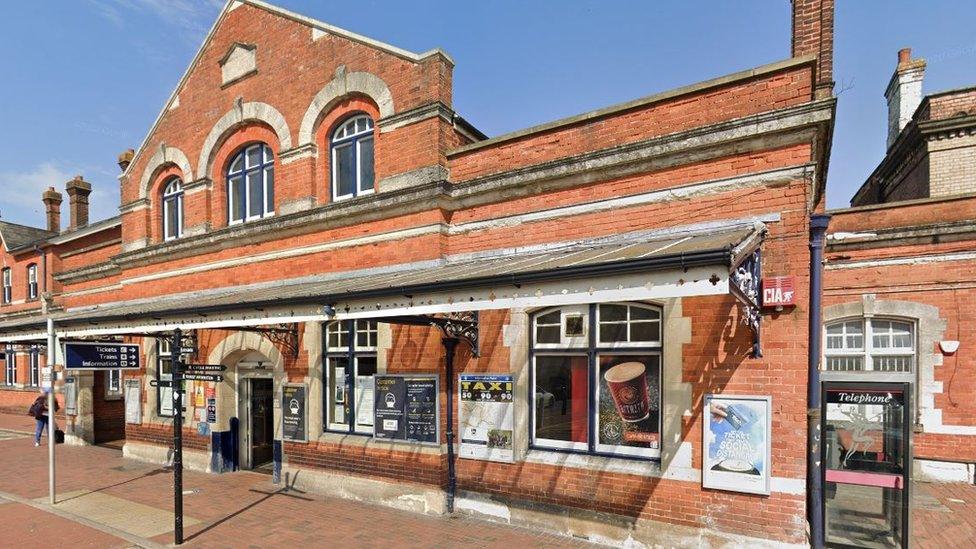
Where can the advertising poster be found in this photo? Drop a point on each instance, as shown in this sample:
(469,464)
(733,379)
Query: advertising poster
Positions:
(736,443)
(293,415)
(486,412)
(405,408)
(133,401)
(629,404)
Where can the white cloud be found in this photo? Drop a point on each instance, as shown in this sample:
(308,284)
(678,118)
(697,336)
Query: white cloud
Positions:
(191,18)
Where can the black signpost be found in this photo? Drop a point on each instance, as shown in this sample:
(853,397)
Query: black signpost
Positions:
(177,439)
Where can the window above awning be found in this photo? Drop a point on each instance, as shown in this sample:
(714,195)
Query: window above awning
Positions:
(647,265)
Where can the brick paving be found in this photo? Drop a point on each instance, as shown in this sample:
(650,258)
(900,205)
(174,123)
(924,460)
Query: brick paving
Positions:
(246,510)
(234,510)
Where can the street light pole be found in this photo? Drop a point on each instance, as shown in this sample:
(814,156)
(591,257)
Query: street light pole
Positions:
(51,403)
(177,436)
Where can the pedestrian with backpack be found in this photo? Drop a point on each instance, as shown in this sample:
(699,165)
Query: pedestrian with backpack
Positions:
(40,413)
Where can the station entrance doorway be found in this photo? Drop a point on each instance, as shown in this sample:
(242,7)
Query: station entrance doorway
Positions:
(255,388)
(867,463)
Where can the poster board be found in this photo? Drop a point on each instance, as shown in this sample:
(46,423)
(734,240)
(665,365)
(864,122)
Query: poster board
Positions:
(294,412)
(486,414)
(736,443)
(406,408)
(133,401)
(71,395)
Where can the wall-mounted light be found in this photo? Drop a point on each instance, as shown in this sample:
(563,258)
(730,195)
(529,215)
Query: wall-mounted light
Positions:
(949,346)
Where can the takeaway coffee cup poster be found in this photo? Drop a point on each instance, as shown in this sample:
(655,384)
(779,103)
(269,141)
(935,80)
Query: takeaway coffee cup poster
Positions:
(736,442)
(630,416)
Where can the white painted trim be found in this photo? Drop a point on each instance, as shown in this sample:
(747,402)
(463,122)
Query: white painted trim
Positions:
(911,260)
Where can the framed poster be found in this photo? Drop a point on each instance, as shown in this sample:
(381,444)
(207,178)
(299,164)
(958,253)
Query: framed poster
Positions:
(405,408)
(293,412)
(486,412)
(736,443)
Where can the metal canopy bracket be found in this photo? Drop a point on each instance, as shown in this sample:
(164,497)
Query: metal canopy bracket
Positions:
(284,335)
(460,325)
(744,283)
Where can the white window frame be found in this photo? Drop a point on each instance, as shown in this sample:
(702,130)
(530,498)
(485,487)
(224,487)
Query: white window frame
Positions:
(265,166)
(867,352)
(590,347)
(173,198)
(164,394)
(8,285)
(352,352)
(10,366)
(113,384)
(34,367)
(32,281)
(344,136)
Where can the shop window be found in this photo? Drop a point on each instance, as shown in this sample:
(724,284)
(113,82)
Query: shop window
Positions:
(8,287)
(173,209)
(350,366)
(164,372)
(352,158)
(598,391)
(9,366)
(34,367)
(250,184)
(32,281)
(870,345)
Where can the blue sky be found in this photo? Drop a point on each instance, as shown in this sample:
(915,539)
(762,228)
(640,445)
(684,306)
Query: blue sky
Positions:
(84,79)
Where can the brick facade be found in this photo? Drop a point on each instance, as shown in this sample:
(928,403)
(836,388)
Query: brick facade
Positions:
(743,149)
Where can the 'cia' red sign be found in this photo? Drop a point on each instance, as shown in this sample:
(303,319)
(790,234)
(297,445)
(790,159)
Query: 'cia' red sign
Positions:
(778,291)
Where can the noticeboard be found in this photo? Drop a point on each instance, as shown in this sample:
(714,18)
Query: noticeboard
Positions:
(486,414)
(133,401)
(294,416)
(406,408)
(101,356)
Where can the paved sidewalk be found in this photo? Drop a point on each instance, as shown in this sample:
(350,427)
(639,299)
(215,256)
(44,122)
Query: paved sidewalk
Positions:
(107,501)
(129,503)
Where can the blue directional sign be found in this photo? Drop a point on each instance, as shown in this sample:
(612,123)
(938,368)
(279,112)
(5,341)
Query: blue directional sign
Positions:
(101,356)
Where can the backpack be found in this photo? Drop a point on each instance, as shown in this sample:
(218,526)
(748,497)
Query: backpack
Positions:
(35,408)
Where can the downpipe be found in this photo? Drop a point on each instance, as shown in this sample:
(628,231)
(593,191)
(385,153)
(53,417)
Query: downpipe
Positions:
(815,501)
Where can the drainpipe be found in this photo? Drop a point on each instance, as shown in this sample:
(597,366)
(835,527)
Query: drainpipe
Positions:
(815,503)
(450,344)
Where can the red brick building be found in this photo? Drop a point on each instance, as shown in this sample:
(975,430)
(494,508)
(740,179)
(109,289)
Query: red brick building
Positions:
(900,266)
(311,210)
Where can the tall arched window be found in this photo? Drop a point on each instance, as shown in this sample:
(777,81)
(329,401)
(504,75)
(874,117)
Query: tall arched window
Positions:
(250,184)
(352,158)
(173,209)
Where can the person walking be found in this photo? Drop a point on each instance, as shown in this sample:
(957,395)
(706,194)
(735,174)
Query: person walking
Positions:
(40,412)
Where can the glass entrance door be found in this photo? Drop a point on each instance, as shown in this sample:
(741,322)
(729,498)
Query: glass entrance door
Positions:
(261,421)
(867,463)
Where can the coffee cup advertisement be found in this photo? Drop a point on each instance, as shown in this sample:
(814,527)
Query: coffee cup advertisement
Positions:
(630,396)
(736,443)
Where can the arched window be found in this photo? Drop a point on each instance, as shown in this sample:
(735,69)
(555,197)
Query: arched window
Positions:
(870,345)
(250,184)
(32,281)
(352,158)
(173,209)
(596,386)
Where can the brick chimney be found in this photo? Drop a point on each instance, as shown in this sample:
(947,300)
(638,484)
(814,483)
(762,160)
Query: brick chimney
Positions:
(904,93)
(78,190)
(126,158)
(52,205)
(813,33)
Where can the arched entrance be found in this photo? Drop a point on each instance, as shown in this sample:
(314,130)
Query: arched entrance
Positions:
(247,434)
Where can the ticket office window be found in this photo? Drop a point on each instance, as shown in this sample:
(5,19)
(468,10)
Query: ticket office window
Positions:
(350,364)
(596,378)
